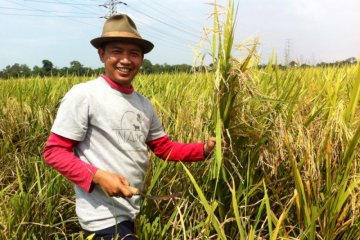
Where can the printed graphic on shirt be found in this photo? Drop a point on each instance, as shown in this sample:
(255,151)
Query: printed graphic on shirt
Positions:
(130,135)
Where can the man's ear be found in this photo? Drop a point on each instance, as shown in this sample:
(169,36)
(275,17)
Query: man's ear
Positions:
(101,54)
(142,60)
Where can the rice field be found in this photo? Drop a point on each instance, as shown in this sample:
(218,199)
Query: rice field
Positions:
(290,168)
(286,166)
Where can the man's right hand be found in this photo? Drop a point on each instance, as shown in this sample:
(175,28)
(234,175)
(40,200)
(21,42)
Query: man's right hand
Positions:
(113,184)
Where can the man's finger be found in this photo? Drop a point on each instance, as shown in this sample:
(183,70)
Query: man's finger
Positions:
(126,191)
(123,180)
(211,141)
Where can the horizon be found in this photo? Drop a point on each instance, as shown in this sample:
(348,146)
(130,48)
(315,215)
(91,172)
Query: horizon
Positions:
(340,61)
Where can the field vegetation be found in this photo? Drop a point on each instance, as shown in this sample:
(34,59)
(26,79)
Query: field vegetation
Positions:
(286,166)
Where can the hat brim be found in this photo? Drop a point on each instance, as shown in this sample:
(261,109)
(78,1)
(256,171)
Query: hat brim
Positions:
(145,45)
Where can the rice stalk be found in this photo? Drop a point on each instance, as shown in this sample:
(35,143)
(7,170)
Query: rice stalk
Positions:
(209,210)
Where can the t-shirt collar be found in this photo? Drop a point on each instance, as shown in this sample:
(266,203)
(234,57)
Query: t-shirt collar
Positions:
(116,86)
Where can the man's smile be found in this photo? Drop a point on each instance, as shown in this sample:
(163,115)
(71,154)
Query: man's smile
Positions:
(123,69)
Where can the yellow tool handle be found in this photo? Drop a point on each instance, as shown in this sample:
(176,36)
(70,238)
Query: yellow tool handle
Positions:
(134,190)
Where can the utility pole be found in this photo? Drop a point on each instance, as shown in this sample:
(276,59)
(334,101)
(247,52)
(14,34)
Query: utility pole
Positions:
(287,52)
(112,6)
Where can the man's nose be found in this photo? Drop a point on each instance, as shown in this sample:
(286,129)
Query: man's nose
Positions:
(125,59)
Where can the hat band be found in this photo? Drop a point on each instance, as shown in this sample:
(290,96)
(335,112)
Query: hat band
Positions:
(120,34)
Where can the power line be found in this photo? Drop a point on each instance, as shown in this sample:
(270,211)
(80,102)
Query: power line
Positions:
(33,15)
(39,10)
(170,42)
(168,39)
(83,9)
(111,5)
(65,3)
(166,35)
(163,22)
(67,17)
(164,13)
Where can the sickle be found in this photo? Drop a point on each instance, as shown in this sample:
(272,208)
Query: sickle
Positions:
(136,191)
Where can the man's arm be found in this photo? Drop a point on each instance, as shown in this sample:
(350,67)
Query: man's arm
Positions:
(59,154)
(166,149)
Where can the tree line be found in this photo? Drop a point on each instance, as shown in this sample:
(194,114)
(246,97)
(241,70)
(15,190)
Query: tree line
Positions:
(348,61)
(77,69)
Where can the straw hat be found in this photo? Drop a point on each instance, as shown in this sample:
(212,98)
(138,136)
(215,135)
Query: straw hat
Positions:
(121,28)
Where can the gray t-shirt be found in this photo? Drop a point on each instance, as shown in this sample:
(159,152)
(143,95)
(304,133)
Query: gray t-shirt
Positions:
(113,129)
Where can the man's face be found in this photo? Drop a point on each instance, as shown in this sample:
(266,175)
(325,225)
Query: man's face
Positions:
(122,61)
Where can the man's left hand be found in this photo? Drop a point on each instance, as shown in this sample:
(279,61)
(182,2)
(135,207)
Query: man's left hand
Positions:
(209,146)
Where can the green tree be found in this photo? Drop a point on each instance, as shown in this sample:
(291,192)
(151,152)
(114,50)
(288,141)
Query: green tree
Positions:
(76,68)
(147,67)
(37,71)
(47,68)
(16,71)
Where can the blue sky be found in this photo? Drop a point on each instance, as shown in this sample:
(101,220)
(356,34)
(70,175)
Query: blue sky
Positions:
(60,30)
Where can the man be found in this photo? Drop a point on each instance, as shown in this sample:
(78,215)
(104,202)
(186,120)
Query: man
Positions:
(100,136)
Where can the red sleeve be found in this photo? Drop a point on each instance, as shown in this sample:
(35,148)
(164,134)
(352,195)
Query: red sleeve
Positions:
(59,154)
(166,149)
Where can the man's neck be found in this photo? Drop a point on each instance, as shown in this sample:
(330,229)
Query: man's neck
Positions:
(117,86)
